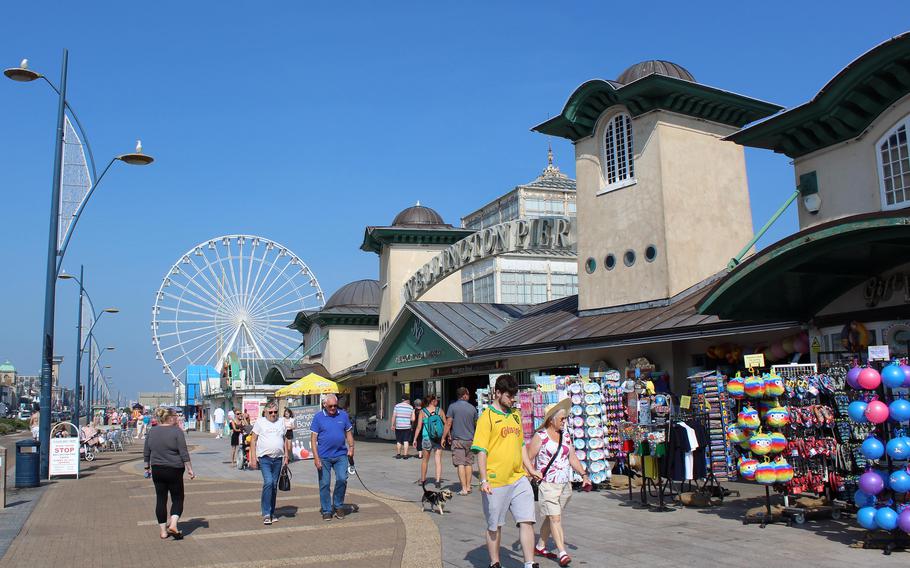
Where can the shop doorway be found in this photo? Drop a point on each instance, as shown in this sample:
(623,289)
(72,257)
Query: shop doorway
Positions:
(472,383)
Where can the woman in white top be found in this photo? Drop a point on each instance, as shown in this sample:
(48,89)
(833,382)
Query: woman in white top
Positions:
(555,487)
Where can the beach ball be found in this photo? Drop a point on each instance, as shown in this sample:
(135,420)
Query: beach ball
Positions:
(899,481)
(736,388)
(899,410)
(869,379)
(871,483)
(748,418)
(866,518)
(747,467)
(906,370)
(893,376)
(898,448)
(860,499)
(736,433)
(857,411)
(779,417)
(783,470)
(872,448)
(886,518)
(903,520)
(876,411)
(765,473)
(774,386)
(755,387)
(853,377)
(778,443)
(760,444)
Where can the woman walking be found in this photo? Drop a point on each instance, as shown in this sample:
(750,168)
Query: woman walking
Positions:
(551,452)
(236,426)
(418,405)
(289,424)
(430,426)
(166,456)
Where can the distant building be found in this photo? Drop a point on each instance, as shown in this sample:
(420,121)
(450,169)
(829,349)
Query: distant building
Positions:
(528,276)
(155,399)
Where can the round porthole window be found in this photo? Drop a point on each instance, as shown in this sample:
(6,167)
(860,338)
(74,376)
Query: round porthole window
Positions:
(610,262)
(629,257)
(590,265)
(650,253)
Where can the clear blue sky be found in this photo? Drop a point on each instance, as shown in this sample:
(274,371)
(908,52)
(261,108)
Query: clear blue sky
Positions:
(305,122)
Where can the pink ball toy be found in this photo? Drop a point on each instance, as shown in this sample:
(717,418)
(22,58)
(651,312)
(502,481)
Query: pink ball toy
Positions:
(869,379)
(876,411)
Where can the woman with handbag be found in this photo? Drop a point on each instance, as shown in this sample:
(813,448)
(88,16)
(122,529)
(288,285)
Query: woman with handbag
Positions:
(552,453)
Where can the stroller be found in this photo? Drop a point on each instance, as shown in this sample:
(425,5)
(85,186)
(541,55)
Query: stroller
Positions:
(243,455)
(90,441)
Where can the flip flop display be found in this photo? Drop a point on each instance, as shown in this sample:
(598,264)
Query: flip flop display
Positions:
(578,421)
(577,399)
(578,433)
(577,410)
(579,443)
(592,409)
(597,466)
(599,477)
(595,443)
(591,387)
(574,388)
(596,455)
(581,455)
(593,421)
(592,399)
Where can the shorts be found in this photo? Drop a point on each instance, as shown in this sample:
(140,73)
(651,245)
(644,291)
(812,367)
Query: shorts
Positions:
(289,434)
(553,497)
(35,430)
(428,444)
(403,435)
(517,497)
(235,438)
(461,453)
(219,426)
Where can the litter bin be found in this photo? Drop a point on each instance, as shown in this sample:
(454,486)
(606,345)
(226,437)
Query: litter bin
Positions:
(28,461)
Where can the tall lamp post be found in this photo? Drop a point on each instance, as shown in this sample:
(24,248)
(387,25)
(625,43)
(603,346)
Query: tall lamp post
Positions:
(82,339)
(56,251)
(93,386)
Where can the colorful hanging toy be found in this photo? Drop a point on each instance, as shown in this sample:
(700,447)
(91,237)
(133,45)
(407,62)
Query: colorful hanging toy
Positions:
(783,471)
(893,375)
(747,467)
(760,444)
(774,386)
(755,386)
(778,442)
(736,388)
(766,473)
(736,434)
(778,417)
(748,418)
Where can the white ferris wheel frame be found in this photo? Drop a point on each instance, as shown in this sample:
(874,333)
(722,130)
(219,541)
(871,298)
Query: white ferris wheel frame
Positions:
(210,299)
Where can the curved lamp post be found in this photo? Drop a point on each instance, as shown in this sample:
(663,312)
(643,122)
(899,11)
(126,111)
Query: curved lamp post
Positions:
(55,255)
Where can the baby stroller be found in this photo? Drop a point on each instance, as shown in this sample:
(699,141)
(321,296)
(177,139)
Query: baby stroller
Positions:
(90,441)
(243,455)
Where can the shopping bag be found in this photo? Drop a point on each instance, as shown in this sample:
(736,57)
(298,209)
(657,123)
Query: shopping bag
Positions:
(284,479)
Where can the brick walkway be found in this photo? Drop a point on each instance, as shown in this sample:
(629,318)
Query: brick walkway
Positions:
(107,519)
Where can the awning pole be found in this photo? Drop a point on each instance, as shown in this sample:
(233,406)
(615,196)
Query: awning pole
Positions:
(735,261)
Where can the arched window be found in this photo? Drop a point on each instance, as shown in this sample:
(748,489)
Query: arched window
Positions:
(894,167)
(617,152)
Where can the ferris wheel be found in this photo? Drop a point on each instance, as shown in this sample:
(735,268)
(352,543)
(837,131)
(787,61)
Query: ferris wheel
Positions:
(234,294)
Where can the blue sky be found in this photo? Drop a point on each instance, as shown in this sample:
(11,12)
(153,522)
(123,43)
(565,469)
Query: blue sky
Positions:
(305,122)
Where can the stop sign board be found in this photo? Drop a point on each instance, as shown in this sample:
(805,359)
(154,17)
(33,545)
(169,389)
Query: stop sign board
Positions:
(64,456)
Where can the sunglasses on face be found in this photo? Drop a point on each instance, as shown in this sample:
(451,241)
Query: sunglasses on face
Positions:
(331,406)
(272,412)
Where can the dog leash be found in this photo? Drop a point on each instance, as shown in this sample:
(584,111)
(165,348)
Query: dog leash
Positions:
(353,471)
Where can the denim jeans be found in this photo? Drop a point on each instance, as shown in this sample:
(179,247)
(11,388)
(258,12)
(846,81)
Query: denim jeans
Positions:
(340,466)
(271,469)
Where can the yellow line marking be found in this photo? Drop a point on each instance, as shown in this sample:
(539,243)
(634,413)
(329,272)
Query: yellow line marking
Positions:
(266,531)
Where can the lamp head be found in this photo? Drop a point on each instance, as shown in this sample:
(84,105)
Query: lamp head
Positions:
(110,310)
(65,276)
(136,158)
(108,348)
(22,73)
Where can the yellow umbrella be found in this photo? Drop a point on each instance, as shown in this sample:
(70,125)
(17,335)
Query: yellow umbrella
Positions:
(309,385)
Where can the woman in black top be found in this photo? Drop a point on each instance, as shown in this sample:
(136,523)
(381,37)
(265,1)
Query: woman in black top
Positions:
(236,430)
(166,456)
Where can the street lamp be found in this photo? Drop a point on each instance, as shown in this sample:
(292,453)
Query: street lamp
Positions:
(80,343)
(94,363)
(56,252)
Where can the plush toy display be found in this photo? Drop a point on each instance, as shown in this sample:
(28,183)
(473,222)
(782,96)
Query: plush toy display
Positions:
(778,443)
(774,386)
(737,434)
(736,388)
(755,387)
(782,470)
(748,418)
(766,473)
(747,467)
(778,417)
(760,443)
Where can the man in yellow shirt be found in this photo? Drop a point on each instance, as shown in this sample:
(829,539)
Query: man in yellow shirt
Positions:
(504,467)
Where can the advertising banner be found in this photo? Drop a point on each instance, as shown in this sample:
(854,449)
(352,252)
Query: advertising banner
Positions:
(303,417)
(64,457)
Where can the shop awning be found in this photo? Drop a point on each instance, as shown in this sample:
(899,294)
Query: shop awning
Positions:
(310,385)
(798,276)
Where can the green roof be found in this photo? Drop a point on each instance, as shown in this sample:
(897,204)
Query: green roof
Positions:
(652,92)
(7,367)
(798,276)
(844,107)
(374,237)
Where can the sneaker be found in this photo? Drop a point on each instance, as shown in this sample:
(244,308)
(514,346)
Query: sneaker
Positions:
(327,516)
(267,520)
(274,519)
(398,456)
(496,565)
(437,483)
(340,513)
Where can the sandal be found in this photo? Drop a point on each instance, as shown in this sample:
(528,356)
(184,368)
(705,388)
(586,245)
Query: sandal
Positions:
(564,560)
(543,552)
(178,535)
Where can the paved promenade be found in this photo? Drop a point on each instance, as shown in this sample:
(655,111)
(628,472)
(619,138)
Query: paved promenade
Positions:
(107,519)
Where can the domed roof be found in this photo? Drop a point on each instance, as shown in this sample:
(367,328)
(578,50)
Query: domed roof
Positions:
(360,293)
(418,215)
(654,66)
(7,367)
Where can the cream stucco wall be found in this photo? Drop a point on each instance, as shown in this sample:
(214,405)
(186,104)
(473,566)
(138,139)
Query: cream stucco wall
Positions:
(347,346)
(690,200)
(397,264)
(848,173)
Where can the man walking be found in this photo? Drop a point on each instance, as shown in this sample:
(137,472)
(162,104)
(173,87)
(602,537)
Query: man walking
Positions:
(219,422)
(504,465)
(269,450)
(332,441)
(403,416)
(461,420)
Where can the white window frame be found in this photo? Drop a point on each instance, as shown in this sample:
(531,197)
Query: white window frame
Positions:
(904,122)
(628,141)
